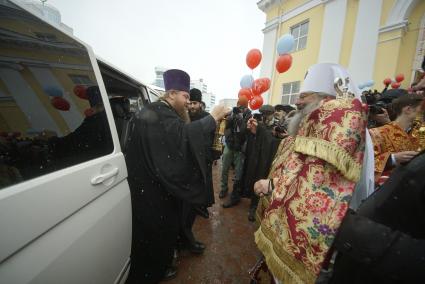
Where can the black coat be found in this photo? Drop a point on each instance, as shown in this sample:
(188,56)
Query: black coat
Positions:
(384,242)
(260,151)
(166,165)
(208,140)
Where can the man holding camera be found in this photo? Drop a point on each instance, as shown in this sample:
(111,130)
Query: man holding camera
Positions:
(235,137)
(393,145)
(261,147)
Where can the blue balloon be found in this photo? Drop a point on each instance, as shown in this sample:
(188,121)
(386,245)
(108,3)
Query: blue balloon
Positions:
(361,86)
(247,81)
(369,83)
(285,44)
(53,92)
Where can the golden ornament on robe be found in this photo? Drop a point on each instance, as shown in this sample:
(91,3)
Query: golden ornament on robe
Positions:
(219,132)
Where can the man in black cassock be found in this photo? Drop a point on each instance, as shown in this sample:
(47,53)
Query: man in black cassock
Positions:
(260,151)
(384,241)
(166,165)
(189,211)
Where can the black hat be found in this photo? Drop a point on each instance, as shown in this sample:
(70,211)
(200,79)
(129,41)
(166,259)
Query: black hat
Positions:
(266,109)
(175,79)
(195,95)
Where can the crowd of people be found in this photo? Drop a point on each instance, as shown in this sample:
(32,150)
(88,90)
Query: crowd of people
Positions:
(334,181)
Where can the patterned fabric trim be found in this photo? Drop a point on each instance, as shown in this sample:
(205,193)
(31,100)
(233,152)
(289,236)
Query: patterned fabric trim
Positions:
(282,265)
(331,153)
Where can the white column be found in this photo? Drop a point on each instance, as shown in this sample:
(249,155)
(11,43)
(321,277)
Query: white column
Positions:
(269,58)
(366,34)
(46,79)
(28,101)
(332,32)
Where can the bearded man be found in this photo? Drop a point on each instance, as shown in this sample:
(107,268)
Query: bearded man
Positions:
(313,176)
(166,166)
(195,108)
(188,212)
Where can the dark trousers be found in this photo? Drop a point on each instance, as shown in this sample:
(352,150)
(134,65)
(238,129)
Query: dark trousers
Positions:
(236,191)
(188,215)
(254,202)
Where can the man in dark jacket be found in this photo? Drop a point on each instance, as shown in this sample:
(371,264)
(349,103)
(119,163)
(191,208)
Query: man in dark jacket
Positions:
(384,241)
(166,165)
(235,136)
(187,239)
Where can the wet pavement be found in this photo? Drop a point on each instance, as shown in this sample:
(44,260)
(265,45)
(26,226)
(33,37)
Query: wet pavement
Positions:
(229,238)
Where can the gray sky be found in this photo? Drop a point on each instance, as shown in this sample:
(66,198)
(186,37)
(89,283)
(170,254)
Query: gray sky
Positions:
(207,38)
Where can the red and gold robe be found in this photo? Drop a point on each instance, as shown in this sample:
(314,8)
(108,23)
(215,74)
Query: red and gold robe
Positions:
(317,171)
(387,140)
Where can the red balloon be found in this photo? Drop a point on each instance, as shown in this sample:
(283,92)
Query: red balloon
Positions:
(80,91)
(60,103)
(395,85)
(399,78)
(387,81)
(256,102)
(283,63)
(260,86)
(246,93)
(253,58)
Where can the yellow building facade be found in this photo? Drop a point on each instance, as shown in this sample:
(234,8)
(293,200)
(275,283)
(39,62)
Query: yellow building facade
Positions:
(373,39)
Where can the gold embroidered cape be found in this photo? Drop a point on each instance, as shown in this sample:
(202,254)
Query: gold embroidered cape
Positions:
(316,174)
(388,139)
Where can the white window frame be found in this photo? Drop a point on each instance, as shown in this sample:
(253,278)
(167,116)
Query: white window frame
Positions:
(294,91)
(298,36)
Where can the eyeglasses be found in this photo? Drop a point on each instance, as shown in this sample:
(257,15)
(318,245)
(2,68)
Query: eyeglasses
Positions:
(305,95)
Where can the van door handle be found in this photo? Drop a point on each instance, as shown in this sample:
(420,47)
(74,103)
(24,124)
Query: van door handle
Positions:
(102,177)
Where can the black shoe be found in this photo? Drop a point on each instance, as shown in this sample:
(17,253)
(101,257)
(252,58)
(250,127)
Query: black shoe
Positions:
(202,211)
(170,273)
(196,248)
(230,203)
(222,194)
(201,245)
(251,215)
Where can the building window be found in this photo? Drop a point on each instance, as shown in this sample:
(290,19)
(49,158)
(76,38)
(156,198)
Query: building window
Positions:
(300,32)
(290,92)
(81,79)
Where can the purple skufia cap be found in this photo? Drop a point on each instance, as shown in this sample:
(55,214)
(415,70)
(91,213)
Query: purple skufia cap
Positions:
(175,79)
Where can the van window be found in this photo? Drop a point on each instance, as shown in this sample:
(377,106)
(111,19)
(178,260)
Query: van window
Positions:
(51,111)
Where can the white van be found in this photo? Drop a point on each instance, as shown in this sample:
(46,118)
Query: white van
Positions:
(65,208)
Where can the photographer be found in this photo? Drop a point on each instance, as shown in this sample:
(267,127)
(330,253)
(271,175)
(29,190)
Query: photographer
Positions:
(235,137)
(393,145)
(261,148)
(378,114)
(280,124)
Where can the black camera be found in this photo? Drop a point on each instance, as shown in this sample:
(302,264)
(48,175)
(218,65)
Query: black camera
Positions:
(258,116)
(236,110)
(377,108)
(280,129)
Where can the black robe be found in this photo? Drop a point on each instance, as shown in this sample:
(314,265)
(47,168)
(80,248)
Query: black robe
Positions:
(384,242)
(166,164)
(208,140)
(260,151)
